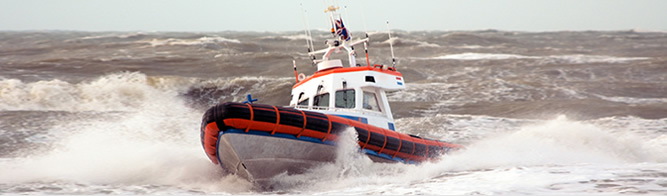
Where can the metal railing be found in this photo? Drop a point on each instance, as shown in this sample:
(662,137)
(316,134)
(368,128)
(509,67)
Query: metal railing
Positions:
(351,110)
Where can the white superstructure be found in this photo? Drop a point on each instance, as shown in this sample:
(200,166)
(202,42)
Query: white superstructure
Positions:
(355,92)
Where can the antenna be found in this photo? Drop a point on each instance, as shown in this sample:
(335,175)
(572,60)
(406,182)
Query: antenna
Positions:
(363,15)
(346,16)
(391,47)
(309,37)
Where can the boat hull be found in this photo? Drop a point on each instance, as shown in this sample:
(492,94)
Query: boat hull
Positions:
(258,142)
(259,158)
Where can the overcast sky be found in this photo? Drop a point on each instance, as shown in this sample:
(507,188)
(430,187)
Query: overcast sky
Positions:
(286,15)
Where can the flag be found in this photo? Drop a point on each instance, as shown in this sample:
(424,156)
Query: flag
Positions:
(341,30)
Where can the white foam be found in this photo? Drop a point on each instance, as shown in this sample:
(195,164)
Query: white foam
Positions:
(651,132)
(572,59)
(456,128)
(115,92)
(394,41)
(424,44)
(125,91)
(155,140)
(190,42)
(113,35)
(634,100)
(481,56)
(557,142)
(456,94)
(296,37)
(476,47)
(555,156)
(582,59)
(349,162)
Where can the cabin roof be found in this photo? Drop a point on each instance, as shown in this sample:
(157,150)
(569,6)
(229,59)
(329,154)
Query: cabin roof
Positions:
(376,68)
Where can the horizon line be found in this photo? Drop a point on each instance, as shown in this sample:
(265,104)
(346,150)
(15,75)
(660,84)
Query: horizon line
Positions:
(636,30)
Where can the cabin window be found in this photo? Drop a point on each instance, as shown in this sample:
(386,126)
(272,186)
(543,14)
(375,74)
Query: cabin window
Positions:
(345,98)
(371,101)
(304,102)
(321,100)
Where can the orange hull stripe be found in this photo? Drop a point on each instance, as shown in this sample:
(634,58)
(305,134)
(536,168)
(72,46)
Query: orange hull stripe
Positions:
(211,140)
(211,133)
(277,121)
(252,115)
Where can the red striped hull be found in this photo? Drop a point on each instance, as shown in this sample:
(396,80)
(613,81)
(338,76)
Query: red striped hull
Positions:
(288,124)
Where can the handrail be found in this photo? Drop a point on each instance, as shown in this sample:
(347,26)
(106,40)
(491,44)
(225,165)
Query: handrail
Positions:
(362,111)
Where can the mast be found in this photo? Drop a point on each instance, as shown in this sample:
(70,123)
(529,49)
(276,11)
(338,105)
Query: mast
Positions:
(341,38)
(309,36)
(391,47)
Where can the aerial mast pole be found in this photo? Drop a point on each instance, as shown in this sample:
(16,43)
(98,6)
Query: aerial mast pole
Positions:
(391,47)
(309,36)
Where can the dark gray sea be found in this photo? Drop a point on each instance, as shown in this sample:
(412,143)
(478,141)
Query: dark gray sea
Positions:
(566,113)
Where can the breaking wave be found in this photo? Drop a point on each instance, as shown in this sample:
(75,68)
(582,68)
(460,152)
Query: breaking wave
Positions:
(572,59)
(552,145)
(190,42)
(126,91)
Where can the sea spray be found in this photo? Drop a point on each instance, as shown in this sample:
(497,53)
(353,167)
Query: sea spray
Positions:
(540,154)
(147,137)
(347,163)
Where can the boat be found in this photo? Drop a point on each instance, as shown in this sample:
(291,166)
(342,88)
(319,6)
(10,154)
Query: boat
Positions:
(257,141)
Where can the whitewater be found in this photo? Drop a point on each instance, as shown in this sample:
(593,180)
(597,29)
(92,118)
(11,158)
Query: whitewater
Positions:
(566,113)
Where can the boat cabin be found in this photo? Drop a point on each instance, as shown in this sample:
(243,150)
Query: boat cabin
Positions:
(357,93)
